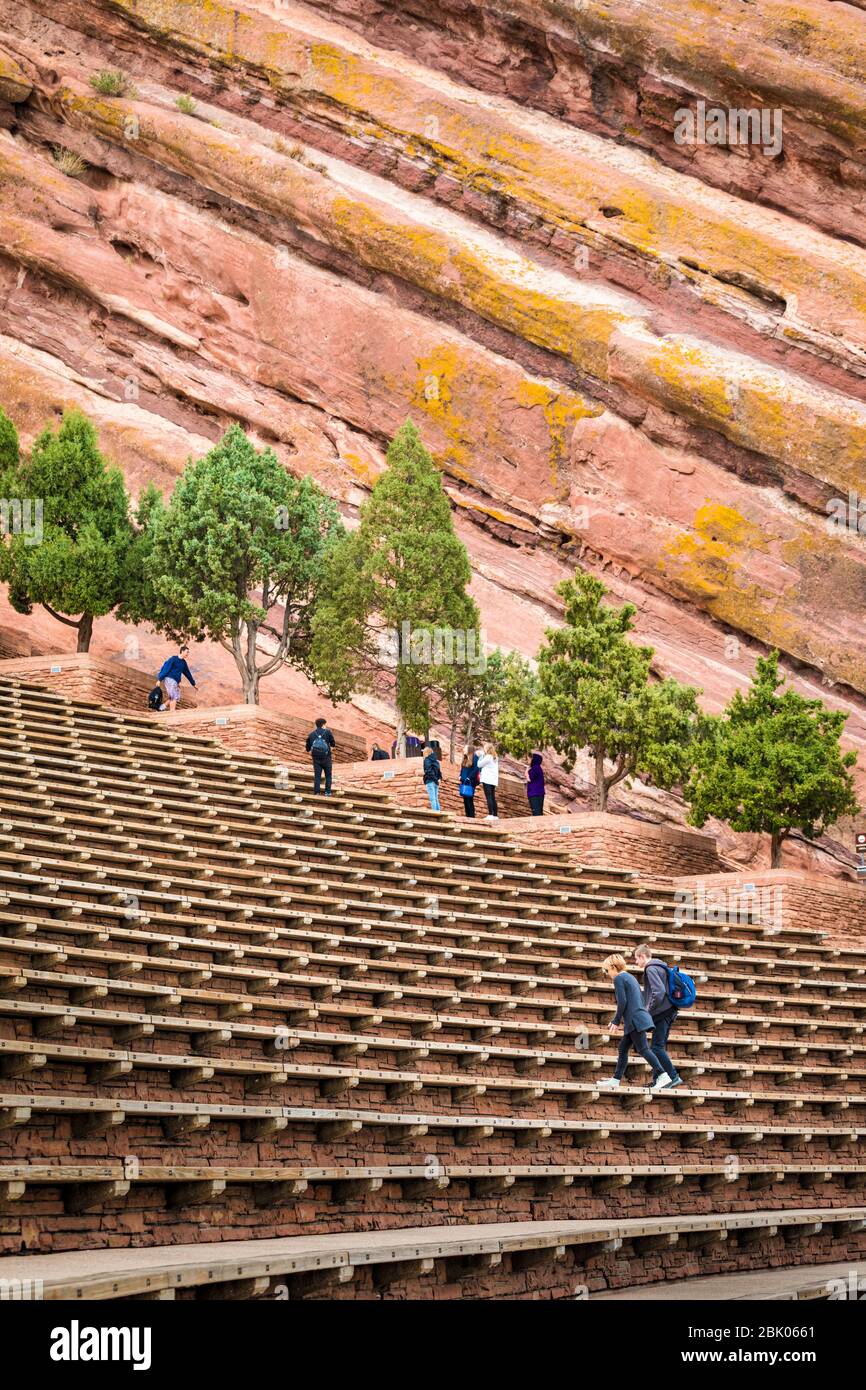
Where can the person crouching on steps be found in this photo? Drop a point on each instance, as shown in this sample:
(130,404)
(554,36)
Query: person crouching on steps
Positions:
(170,674)
(319,745)
(432,775)
(636,1022)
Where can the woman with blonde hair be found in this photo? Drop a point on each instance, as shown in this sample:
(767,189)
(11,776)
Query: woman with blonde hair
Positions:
(636,1023)
(488,768)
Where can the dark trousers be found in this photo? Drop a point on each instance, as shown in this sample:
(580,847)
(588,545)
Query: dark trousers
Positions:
(659,1042)
(321,765)
(637,1040)
(490,798)
(536,805)
(468,806)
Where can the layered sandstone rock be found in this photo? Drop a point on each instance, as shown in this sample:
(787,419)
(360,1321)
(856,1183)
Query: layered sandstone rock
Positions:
(646,358)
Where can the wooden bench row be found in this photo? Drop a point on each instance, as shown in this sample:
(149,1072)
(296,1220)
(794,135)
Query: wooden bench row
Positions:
(254,1268)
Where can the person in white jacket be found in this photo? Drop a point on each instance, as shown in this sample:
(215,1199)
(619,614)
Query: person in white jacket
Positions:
(488,767)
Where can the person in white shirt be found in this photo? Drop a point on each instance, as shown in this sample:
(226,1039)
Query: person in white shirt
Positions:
(488,767)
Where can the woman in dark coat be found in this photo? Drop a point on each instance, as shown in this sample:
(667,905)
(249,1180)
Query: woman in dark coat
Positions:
(636,1023)
(468,780)
(535,785)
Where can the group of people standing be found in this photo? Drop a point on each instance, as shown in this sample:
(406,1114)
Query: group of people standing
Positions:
(479,767)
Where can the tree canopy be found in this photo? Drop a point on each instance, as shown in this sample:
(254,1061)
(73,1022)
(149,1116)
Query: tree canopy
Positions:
(236,555)
(773,763)
(67,528)
(592,689)
(392,584)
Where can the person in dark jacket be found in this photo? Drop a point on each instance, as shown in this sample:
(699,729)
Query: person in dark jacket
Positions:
(535,785)
(468,780)
(432,775)
(659,1005)
(171,672)
(378,754)
(320,743)
(636,1023)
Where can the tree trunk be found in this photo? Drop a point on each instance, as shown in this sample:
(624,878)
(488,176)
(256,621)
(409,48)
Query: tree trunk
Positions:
(400,750)
(85,632)
(776,841)
(600,783)
(250,682)
(452,742)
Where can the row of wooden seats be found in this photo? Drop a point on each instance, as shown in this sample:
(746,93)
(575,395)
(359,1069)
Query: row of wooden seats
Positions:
(438,918)
(314,1265)
(787,969)
(328,804)
(349,976)
(95,1115)
(794,1037)
(72,911)
(264,967)
(21,1057)
(95,1185)
(207,1036)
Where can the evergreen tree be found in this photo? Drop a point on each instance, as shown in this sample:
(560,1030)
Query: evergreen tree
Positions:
(473,698)
(391,584)
(773,764)
(236,555)
(66,527)
(592,690)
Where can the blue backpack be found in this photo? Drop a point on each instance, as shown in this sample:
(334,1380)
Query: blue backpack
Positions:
(681,988)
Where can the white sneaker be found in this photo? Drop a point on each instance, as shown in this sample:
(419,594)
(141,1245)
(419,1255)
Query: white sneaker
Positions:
(661,1082)
(612,1084)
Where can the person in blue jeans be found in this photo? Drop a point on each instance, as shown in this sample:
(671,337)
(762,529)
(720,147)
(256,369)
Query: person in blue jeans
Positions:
(659,1005)
(320,745)
(468,781)
(636,1022)
(432,775)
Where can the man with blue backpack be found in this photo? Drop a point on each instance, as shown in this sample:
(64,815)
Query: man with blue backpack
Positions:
(319,745)
(666,990)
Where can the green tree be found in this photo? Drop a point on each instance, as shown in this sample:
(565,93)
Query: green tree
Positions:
(592,690)
(473,696)
(773,764)
(236,555)
(68,552)
(390,585)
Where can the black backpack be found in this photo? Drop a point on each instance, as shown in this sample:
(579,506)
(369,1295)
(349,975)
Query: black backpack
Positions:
(154,699)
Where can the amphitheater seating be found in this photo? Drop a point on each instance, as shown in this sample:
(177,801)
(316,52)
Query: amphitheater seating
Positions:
(250,1039)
